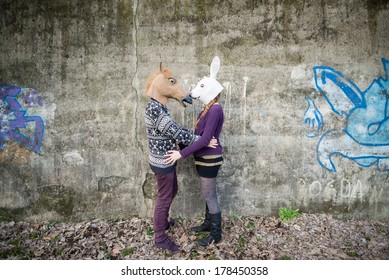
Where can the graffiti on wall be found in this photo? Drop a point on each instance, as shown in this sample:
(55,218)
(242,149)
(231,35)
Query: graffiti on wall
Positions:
(365,137)
(15,124)
(342,191)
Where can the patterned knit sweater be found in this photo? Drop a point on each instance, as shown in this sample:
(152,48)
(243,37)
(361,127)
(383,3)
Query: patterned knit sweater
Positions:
(163,133)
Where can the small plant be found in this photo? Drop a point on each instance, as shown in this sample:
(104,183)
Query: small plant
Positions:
(29,256)
(234,216)
(54,240)
(241,243)
(193,254)
(286,257)
(240,249)
(15,242)
(108,257)
(33,235)
(353,254)
(128,251)
(104,248)
(15,251)
(181,220)
(250,225)
(202,234)
(287,213)
(149,231)
(52,224)
(59,251)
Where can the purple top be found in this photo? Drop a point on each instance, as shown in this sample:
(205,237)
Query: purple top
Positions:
(209,126)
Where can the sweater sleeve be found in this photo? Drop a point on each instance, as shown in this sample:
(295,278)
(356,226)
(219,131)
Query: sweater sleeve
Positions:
(214,115)
(170,128)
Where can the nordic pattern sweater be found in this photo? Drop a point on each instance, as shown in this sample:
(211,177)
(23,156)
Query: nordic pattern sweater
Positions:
(163,133)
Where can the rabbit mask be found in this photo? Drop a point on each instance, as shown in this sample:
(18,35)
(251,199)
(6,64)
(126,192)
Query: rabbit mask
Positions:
(208,88)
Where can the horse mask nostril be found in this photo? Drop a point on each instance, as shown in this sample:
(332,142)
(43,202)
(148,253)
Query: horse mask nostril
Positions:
(187,99)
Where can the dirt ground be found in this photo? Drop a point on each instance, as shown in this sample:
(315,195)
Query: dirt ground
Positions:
(308,237)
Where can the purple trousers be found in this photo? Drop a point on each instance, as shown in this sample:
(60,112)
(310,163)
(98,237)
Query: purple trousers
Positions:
(167,188)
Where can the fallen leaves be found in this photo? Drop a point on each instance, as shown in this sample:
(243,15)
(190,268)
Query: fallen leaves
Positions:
(306,237)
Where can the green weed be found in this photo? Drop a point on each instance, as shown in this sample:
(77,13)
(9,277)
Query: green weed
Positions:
(128,251)
(181,220)
(149,231)
(234,216)
(287,213)
(59,251)
(33,235)
(241,243)
(353,254)
(16,251)
(15,242)
(193,254)
(286,257)
(250,225)
(202,235)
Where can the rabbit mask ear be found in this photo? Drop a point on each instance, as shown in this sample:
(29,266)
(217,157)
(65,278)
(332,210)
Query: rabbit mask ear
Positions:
(215,66)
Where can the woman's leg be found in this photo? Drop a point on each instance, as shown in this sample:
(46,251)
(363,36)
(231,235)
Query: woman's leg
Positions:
(208,191)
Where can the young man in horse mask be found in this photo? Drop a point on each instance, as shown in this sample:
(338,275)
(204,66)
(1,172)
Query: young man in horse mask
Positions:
(163,135)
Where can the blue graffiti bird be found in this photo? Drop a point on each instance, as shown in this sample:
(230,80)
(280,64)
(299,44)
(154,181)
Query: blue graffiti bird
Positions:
(365,139)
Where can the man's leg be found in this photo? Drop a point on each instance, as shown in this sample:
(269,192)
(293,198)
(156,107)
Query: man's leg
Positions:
(165,193)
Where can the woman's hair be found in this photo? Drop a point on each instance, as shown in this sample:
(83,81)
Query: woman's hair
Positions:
(206,108)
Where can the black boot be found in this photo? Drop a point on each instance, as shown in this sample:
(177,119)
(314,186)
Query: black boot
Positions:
(206,225)
(216,230)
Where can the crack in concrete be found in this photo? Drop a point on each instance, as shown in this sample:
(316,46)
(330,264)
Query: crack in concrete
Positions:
(135,81)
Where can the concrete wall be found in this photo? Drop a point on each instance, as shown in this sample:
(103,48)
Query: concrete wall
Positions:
(73,142)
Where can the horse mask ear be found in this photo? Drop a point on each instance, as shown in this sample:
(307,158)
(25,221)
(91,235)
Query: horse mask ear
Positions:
(215,66)
(160,67)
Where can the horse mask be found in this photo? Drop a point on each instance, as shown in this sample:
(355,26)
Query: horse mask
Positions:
(163,85)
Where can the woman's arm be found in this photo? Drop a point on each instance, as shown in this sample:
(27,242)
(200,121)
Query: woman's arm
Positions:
(173,156)
(214,116)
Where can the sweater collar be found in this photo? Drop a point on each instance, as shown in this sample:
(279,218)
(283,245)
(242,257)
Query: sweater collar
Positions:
(159,104)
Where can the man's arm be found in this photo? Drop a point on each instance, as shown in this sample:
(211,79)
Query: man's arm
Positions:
(169,127)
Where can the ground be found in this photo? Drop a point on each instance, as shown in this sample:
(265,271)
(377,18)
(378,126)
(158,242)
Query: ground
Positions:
(244,238)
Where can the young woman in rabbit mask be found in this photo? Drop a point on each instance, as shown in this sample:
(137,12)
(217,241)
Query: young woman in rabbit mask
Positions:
(207,160)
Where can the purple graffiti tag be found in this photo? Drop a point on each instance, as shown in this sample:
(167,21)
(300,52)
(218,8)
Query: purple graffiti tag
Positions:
(15,124)
(31,98)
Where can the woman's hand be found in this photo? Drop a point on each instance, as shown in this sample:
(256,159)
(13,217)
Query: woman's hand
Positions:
(172,157)
(213,143)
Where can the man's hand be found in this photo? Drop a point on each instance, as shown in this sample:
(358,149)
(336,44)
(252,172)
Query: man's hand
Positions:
(213,143)
(171,157)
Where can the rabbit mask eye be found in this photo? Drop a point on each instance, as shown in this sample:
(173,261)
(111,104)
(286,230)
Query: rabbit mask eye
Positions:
(202,85)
